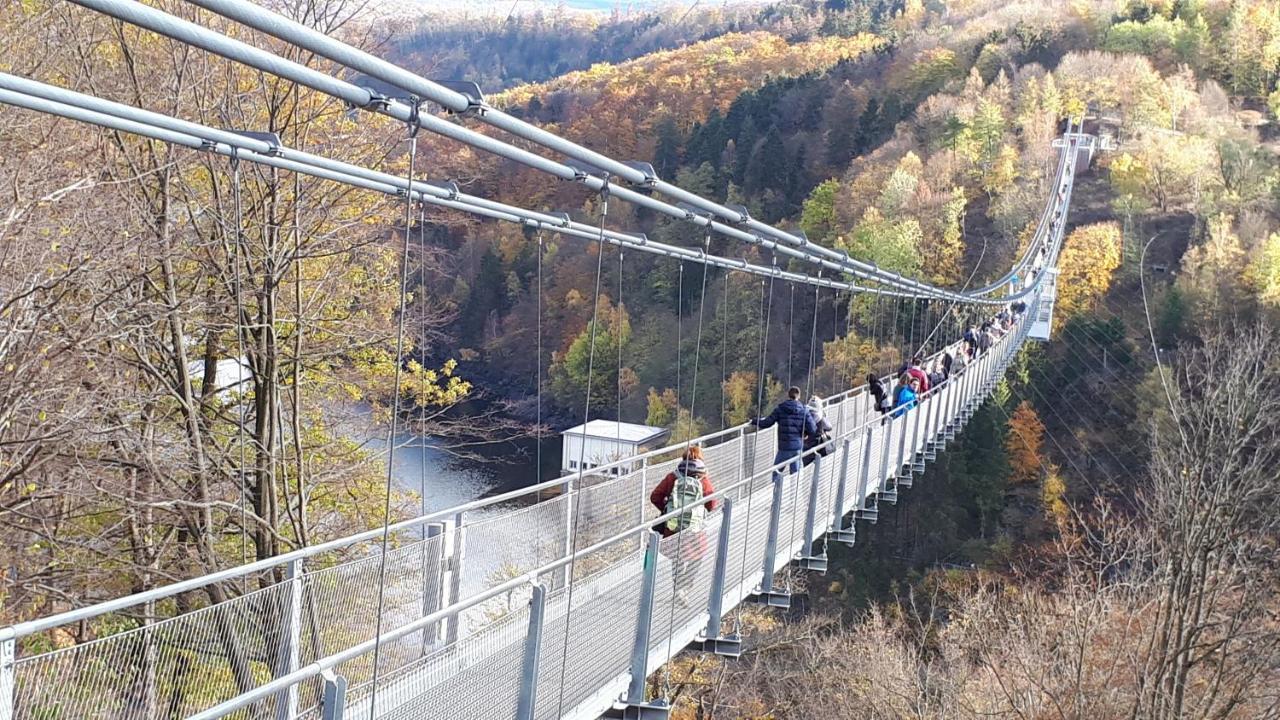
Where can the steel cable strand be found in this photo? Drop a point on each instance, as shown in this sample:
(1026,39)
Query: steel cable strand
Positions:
(766,309)
(395,416)
(950,308)
(680,533)
(241,359)
(575,499)
(679,340)
(724,351)
(795,510)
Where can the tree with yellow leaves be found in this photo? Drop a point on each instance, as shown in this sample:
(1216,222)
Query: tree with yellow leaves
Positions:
(1053,491)
(1023,444)
(1264,271)
(1089,258)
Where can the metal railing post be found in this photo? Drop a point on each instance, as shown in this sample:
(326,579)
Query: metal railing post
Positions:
(433,597)
(864,494)
(712,640)
(333,696)
(839,532)
(634,706)
(527,699)
(807,558)
(8,658)
(766,595)
(569,500)
(455,578)
(291,640)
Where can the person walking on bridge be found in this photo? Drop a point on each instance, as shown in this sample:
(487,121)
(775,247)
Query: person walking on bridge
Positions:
(685,489)
(794,422)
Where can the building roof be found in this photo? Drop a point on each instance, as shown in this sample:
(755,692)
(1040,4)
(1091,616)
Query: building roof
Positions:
(612,430)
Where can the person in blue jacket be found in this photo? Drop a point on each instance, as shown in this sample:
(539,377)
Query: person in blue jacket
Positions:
(794,422)
(904,398)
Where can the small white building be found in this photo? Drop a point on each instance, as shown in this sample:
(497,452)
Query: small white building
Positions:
(600,442)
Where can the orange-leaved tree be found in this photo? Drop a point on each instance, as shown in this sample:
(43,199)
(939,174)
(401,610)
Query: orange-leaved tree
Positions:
(1023,444)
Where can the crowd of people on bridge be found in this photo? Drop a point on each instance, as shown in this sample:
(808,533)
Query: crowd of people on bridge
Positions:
(804,434)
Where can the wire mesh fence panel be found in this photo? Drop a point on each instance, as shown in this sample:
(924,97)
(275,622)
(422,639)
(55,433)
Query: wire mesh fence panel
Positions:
(170,668)
(340,604)
(593,630)
(686,563)
(445,682)
(505,546)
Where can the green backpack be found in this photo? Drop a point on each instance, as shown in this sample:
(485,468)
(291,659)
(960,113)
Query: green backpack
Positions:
(687,493)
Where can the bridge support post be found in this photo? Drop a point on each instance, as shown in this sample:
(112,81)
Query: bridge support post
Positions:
(8,656)
(766,595)
(569,500)
(634,707)
(807,558)
(433,583)
(871,512)
(290,640)
(932,443)
(839,532)
(915,459)
(712,640)
(456,557)
(527,700)
(333,696)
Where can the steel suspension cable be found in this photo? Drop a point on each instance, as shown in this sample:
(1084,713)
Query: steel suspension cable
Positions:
(538,379)
(679,340)
(693,400)
(241,359)
(618,338)
(791,332)
(395,416)
(724,352)
(582,450)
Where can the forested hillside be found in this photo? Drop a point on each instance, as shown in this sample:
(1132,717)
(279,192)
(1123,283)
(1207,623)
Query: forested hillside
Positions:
(1099,543)
(500,52)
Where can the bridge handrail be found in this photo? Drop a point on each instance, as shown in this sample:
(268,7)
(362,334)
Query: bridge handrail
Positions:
(319,666)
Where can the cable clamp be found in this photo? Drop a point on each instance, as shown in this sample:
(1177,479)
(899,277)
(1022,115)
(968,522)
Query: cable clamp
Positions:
(377,101)
(415,109)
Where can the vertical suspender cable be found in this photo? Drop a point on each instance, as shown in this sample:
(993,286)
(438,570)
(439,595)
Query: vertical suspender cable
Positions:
(241,360)
(395,409)
(422,347)
(679,340)
(693,407)
(813,338)
(538,376)
(724,350)
(617,337)
(582,450)
(791,333)
(766,308)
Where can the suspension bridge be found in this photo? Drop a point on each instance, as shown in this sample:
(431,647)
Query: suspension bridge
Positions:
(554,601)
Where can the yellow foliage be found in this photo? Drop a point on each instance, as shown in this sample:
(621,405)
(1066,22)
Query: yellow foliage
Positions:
(1212,270)
(1053,496)
(1023,444)
(1264,271)
(1089,257)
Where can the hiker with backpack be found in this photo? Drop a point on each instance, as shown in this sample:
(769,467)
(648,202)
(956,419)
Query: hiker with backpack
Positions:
(794,423)
(684,489)
(879,396)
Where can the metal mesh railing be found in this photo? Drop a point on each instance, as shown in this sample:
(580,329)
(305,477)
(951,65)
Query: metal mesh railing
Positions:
(179,666)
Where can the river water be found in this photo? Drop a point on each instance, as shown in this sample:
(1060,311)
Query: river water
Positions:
(445,479)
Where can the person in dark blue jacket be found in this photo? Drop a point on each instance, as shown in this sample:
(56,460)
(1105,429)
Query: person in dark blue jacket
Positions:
(794,423)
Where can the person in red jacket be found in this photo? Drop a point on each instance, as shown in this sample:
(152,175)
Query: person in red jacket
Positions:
(691,546)
(691,465)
